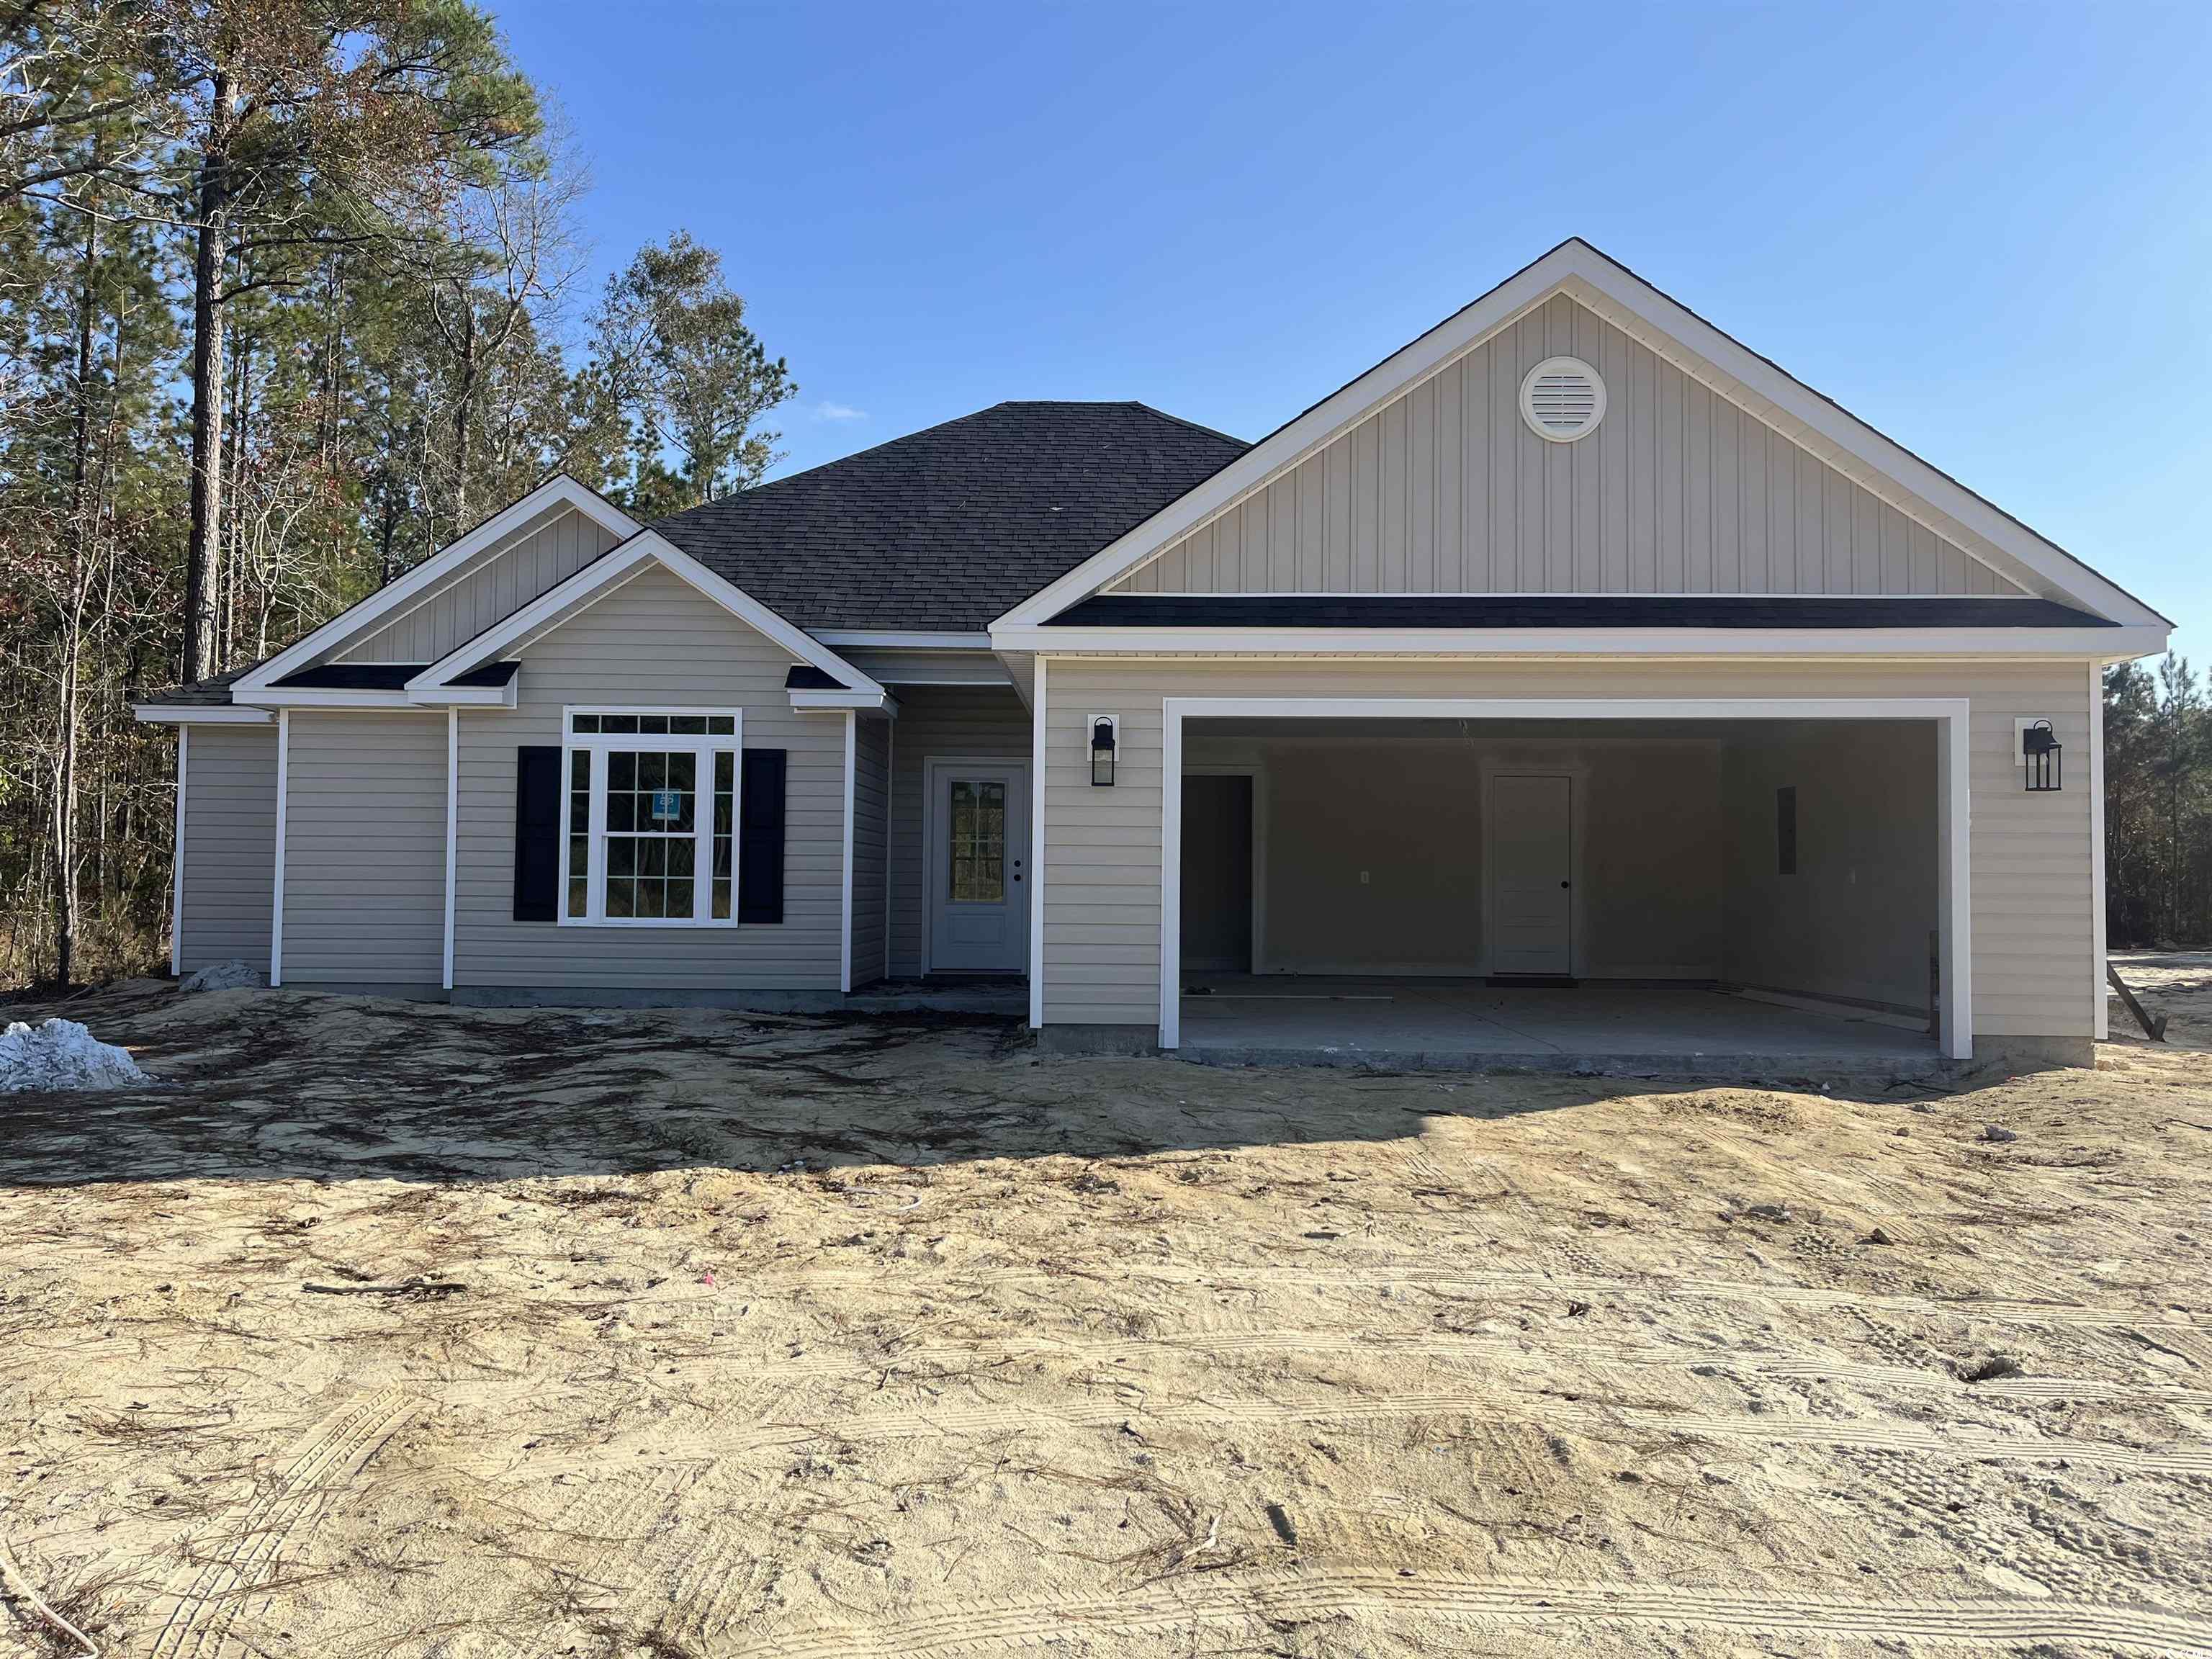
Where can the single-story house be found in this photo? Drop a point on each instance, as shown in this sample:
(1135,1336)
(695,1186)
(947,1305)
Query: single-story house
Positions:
(1573,645)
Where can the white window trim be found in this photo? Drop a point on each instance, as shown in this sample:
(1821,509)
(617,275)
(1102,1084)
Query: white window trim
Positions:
(1954,863)
(599,745)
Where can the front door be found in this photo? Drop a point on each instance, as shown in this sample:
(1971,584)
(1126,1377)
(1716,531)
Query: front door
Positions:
(1531,872)
(979,845)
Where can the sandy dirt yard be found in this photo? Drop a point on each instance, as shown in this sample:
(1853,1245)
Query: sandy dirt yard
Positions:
(387,1329)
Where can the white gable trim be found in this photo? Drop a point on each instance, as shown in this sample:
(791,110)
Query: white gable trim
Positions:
(1581,271)
(563,601)
(559,490)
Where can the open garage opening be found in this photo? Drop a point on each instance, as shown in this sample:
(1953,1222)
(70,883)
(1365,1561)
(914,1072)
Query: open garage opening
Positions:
(1671,891)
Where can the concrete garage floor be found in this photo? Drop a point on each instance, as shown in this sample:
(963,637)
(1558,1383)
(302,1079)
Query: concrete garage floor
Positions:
(1462,1024)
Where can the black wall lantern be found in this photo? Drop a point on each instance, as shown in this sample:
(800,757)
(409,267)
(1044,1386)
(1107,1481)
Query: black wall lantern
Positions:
(1102,751)
(2038,753)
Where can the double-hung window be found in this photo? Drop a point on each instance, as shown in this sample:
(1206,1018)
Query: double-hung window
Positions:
(649,817)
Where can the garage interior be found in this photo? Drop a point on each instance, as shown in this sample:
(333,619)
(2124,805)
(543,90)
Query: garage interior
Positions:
(1556,893)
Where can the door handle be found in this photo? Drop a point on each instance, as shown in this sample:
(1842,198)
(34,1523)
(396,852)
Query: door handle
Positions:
(1566,883)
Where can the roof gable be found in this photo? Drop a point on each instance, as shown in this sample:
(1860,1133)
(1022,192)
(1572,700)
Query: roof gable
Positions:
(1446,489)
(440,575)
(1860,456)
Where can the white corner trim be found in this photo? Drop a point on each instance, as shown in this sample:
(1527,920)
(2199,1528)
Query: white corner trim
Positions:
(277,892)
(2099,999)
(600,577)
(560,490)
(891,817)
(1955,862)
(1037,790)
(1575,263)
(177,857)
(845,934)
(452,828)
(180,714)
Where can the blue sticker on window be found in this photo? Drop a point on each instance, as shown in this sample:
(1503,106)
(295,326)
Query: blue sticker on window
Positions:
(667,805)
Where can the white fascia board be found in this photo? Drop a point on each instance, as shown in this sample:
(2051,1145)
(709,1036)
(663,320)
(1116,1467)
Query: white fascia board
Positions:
(558,490)
(1575,264)
(2107,644)
(465,696)
(211,713)
(330,697)
(877,702)
(897,639)
(599,577)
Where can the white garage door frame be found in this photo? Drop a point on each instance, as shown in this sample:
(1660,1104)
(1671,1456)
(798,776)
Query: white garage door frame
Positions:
(1953,857)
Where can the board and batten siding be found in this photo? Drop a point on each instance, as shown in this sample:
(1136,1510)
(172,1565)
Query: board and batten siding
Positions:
(2033,929)
(1446,490)
(962,722)
(871,752)
(496,584)
(652,643)
(230,844)
(365,850)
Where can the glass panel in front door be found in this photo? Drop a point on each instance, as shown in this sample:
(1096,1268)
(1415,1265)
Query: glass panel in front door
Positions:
(977,843)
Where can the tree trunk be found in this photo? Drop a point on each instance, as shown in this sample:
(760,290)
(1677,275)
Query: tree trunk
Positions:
(464,396)
(206,382)
(72,643)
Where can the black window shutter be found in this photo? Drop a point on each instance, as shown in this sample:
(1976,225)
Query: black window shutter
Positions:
(759,836)
(537,832)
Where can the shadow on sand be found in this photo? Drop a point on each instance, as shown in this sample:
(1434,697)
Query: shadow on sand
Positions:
(263,1085)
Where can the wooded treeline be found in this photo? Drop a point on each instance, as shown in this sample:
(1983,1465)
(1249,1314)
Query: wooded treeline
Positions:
(288,299)
(2158,806)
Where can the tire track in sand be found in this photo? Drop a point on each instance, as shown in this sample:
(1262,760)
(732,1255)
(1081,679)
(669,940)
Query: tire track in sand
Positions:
(1979,1624)
(258,1533)
(1856,1434)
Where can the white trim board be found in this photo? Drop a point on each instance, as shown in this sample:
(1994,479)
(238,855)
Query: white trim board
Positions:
(2106,644)
(277,891)
(845,932)
(452,832)
(559,490)
(1953,806)
(553,608)
(1039,784)
(206,714)
(177,857)
(2100,998)
(1765,390)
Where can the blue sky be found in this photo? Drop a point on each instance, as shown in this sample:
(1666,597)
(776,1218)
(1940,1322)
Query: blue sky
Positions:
(1986,230)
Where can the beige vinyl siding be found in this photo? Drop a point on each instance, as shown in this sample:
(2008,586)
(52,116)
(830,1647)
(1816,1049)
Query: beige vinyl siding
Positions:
(2032,955)
(496,584)
(1446,489)
(365,850)
(871,748)
(230,844)
(972,722)
(654,642)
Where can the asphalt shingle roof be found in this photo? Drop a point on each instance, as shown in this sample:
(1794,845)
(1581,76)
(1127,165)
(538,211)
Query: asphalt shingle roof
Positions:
(947,528)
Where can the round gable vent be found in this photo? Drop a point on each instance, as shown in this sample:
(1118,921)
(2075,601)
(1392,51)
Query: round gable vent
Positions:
(1562,399)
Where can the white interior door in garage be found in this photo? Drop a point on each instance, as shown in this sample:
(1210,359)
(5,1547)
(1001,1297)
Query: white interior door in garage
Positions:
(1531,846)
